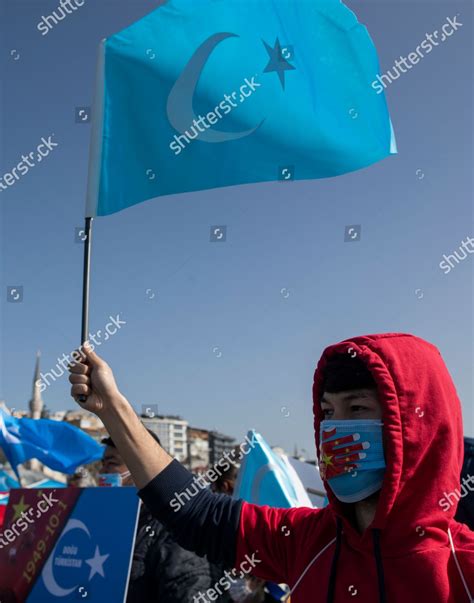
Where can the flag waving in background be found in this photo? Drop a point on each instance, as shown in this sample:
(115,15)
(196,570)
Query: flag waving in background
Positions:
(215,93)
(265,478)
(56,444)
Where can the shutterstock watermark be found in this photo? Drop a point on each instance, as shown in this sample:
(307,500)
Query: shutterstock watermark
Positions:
(201,482)
(20,525)
(66,7)
(27,162)
(204,122)
(246,567)
(466,246)
(111,328)
(404,64)
(452,498)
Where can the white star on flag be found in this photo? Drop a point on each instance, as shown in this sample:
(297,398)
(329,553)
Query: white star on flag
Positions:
(97,563)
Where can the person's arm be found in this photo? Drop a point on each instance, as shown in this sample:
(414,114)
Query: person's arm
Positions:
(93,377)
(202,522)
(251,539)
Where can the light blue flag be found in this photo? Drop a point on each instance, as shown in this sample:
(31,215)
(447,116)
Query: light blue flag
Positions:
(213,93)
(265,478)
(58,445)
(7,482)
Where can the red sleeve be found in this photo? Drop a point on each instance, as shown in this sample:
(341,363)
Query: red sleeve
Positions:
(271,539)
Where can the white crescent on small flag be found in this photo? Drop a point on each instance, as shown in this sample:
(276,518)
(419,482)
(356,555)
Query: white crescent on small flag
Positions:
(10,435)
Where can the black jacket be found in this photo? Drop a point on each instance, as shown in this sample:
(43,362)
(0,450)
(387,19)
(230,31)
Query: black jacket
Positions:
(465,512)
(162,571)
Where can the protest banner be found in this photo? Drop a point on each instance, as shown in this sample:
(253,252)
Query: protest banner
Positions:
(67,544)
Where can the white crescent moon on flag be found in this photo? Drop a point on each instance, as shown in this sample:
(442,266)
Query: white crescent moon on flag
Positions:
(180,100)
(48,575)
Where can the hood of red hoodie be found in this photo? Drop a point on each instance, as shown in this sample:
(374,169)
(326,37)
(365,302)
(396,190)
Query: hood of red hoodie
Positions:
(423,440)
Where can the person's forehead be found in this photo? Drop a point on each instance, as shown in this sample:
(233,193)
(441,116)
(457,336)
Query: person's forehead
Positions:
(348,396)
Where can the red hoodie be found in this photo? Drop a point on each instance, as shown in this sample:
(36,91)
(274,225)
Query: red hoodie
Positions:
(405,555)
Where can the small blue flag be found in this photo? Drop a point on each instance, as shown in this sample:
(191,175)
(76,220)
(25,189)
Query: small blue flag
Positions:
(58,445)
(7,482)
(215,93)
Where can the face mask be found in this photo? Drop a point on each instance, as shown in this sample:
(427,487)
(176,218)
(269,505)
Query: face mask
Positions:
(352,458)
(112,480)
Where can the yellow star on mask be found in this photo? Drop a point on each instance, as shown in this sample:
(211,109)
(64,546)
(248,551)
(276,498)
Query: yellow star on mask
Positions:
(19,508)
(327,459)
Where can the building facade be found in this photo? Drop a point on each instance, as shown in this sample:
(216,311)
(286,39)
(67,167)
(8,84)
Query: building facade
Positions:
(218,444)
(198,450)
(172,431)
(88,422)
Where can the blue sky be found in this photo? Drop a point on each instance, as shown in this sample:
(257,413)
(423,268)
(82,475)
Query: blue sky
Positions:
(413,208)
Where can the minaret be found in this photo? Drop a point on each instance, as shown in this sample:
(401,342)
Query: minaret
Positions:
(36,402)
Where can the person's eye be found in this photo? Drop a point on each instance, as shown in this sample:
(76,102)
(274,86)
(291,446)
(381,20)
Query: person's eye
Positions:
(327,412)
(359,408)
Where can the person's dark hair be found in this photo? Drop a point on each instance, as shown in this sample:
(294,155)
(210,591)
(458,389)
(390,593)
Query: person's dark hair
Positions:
(343,373)
(109,442)
(227,475)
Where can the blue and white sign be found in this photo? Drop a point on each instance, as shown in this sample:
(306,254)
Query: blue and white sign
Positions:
(92,556)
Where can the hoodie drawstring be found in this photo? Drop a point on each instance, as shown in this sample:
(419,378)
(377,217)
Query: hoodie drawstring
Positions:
(378,563)
(335,559)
